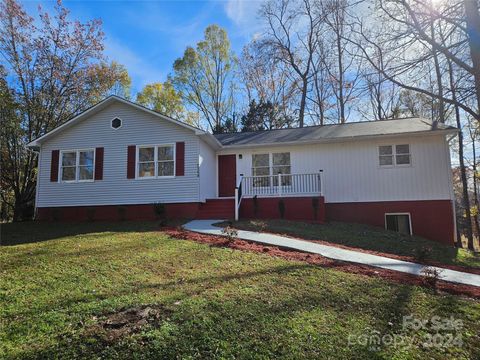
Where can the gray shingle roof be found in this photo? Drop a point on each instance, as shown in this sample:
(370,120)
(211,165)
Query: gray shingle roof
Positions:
(333,132)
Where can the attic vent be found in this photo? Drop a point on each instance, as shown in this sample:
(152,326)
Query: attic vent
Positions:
(116,123)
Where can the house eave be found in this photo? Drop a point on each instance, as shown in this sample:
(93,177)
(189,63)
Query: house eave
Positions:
(343,139)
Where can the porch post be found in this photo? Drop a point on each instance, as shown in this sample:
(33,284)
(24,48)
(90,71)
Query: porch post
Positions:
(279,188)
(236,203)
(322,184)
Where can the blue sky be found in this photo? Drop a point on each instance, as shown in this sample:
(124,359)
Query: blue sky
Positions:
(147,36)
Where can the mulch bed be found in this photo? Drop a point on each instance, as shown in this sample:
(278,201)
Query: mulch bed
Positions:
(379,253)
(315,259)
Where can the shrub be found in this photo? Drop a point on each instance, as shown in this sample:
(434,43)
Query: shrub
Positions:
(91,214)
(315,205)
(159,209)
(423,253)
(431,276)
(230,233)
(281,208)
(255,205)
(122,212)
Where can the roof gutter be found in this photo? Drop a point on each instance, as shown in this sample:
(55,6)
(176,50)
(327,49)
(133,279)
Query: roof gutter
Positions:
(345,139)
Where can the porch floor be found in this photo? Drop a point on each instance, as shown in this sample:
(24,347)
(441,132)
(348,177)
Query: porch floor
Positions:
(207,227)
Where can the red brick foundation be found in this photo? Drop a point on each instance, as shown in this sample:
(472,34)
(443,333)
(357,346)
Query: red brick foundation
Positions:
(296,208)
(431,219)
(116,212)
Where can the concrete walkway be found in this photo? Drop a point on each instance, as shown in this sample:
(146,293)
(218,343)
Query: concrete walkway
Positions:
(206,227)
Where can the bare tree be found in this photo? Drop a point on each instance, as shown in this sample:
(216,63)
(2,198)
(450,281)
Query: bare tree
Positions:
(344,65)
(473,132)
(320,96)
(292,33)
(461,156)
(267,79)
(405,43)
(383,96)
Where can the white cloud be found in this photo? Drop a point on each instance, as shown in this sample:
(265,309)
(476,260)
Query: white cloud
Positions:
(140,70)
(235,10)
(244,14)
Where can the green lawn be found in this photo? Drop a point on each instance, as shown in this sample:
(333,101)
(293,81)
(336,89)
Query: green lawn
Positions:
(210,302)
(367,238)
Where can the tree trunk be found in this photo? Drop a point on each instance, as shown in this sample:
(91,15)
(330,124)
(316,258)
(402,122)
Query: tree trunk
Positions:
(441,103)
(475,184)
(23,207)
(466,197)
(341,101)
(303,102)
(463,172)
(472,17)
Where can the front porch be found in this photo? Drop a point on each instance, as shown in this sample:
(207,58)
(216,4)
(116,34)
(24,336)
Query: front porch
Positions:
(286,196)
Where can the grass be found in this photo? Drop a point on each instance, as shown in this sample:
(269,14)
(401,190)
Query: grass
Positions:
(367,238)
(218,303)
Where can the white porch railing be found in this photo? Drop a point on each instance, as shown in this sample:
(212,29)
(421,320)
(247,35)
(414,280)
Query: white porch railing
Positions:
(278,185)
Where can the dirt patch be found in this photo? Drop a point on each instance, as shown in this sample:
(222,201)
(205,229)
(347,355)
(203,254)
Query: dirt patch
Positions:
(128,321)
(315,259)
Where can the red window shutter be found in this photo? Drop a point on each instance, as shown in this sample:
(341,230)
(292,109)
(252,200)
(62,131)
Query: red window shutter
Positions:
(180,159)
(99,163)
(131,154)
(54,165)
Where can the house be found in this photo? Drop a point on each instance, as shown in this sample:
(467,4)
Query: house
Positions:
(116,159)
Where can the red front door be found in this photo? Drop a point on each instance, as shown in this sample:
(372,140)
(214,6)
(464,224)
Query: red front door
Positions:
(227,175)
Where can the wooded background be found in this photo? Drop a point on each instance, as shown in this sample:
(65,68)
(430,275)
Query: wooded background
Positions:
(316,62)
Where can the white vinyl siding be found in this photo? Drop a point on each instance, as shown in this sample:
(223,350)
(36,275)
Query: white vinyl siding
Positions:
(137,128)
(352,173)
(207,171)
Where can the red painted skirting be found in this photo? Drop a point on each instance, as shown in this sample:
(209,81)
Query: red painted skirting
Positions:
(431,219)
(116,212)
(296,208)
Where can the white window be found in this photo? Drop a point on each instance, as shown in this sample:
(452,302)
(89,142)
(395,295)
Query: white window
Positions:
(165,161)
(265,165)
(402,154)
(394,155)
(260,164)
(77,165)
(385,155)
(155,161)
(280,163)
(399,222)
(261,167)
